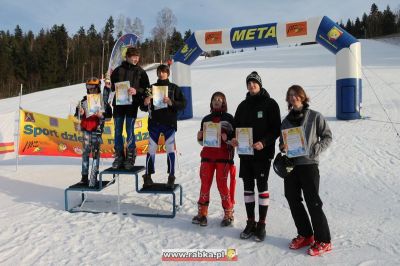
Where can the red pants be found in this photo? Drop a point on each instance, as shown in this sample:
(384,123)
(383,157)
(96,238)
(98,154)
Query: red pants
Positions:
(206,175)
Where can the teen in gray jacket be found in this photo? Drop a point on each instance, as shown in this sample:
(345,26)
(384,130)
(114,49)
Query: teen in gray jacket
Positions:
(305,175)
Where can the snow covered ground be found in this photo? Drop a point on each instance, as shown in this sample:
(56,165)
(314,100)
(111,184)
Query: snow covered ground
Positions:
(359,187)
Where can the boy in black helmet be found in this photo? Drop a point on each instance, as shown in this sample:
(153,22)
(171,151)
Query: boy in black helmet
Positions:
(92,128)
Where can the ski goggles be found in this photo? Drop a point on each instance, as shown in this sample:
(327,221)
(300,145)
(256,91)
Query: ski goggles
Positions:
(92,86)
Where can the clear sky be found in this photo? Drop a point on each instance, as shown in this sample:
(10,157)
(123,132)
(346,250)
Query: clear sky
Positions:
(195,15)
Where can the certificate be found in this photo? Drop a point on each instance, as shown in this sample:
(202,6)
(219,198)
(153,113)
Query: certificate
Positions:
(121,92)
(111,97)
(211,134)
(295,142)
(159,92)
(244,136)
(94,104)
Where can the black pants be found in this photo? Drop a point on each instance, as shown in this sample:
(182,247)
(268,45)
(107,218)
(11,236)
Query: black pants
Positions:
(250,172)
(306,178)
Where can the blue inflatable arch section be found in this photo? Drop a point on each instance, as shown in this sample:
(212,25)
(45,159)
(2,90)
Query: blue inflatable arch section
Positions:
(320,29)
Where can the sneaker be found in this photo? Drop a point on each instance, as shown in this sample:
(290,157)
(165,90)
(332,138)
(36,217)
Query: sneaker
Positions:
(260,232)
(171,181)
(249,230)
(319,248)
(301,241)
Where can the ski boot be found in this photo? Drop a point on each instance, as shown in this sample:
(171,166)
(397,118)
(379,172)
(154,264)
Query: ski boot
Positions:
(201,217)
(249,230)
(119,160)
(228,218)
(260,232)
(84,181)
(147,181)
(171,182)
(129,162)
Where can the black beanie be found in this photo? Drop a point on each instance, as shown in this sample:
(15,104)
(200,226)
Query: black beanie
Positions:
(253,76)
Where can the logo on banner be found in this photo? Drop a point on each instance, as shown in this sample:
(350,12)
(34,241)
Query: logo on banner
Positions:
(213,37)
(29,117)
(185,48)
(252,36)
(334,34)
(296,29)
(138,124)
(53,122)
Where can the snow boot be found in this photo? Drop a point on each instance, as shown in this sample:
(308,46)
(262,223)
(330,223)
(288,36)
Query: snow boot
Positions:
(130,159)
(201,217)
(301,241)
(319,248)
(228,218)
(119,160)
(84,181)
(260,232)
(147,181)
(249,230)
(171,182)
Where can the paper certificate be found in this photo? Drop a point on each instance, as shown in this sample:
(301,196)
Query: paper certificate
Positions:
(295,142)
(159,92)
(244,137)
(121,92)
(94,104)
(211,134)
(111,97)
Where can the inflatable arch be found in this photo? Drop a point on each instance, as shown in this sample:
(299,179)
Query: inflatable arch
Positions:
(321,29)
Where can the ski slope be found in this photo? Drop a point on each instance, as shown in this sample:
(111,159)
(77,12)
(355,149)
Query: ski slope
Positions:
(359,175)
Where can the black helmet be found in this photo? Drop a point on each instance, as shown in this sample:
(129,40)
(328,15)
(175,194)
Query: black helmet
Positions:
(283,165)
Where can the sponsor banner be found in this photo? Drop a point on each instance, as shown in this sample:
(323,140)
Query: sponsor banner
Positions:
(209,255)
(252,36)
(333,37)
(296,29)
(213,37)
(189,52)
(50,136)
(119,50)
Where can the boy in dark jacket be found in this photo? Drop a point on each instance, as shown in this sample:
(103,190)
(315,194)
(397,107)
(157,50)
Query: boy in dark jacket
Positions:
(163,121)
(92,128)
(261,113)
(130,71)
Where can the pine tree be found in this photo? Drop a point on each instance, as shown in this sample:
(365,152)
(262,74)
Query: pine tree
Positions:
(388,22)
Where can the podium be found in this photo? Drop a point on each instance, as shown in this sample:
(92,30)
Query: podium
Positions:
(156,188)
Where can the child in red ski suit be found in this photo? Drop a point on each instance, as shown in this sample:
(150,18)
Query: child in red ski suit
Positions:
(219,160)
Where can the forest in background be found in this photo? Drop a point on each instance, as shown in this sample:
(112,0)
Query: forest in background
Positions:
(54,58)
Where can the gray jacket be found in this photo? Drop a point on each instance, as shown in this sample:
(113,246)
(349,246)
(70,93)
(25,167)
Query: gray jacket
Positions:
(317,134)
